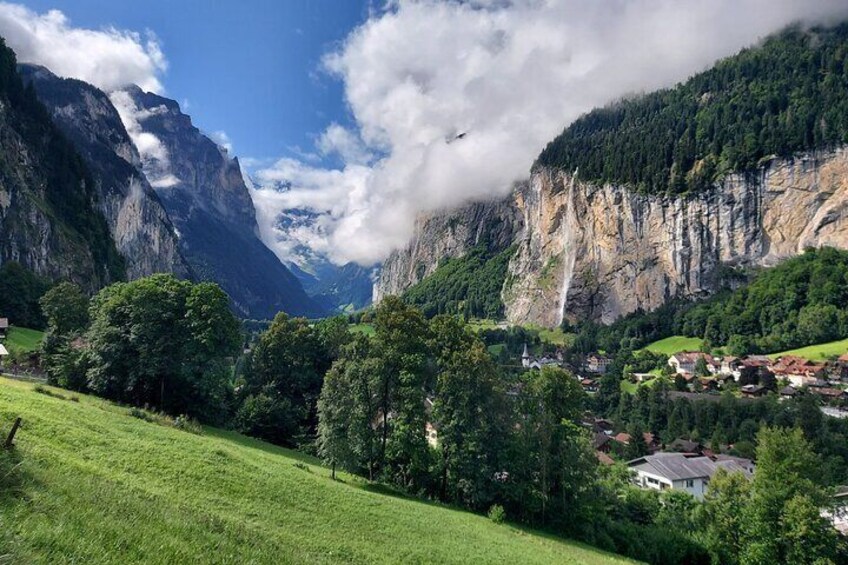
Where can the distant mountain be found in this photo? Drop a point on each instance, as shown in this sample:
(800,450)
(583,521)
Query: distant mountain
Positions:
(205,196)
(339,288)
(51,211)
(139,224)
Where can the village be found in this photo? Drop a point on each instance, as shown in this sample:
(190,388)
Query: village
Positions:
(684,464)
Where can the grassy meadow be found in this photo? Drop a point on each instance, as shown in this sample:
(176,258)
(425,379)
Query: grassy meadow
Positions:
(23,340)
(675,344)
(89,483)
(820,352)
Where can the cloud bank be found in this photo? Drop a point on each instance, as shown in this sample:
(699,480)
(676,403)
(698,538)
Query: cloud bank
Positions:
(108,58)
(507,74)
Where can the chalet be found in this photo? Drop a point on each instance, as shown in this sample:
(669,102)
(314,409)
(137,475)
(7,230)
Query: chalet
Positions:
(746,464)
(597,363)
(827,393)
(787,392)
(797,370)
(681,445)
(589,385)
(752,391)
(602,442)
(4,327)
(678,471)
(731,367)
(624,439)
(684,362)
(708,383)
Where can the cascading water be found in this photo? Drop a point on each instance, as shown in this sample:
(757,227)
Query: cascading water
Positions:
(569,253)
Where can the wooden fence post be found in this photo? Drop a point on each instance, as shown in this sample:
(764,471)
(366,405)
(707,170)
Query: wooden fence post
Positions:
(11,436)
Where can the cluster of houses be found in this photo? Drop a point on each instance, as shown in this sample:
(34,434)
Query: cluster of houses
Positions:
(681,465)
(824,379)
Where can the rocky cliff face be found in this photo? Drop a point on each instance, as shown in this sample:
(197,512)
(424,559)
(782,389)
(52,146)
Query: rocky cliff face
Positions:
(138,222)
(590,252)
(600,252)
(205,195)
(450,234)
(50,211)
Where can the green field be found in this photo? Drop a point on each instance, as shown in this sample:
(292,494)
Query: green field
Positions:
(820,352)
(675,344)
(23,339)
(367,329)
(88,483)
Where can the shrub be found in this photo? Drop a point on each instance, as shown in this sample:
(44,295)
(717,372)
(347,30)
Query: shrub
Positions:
(497,514)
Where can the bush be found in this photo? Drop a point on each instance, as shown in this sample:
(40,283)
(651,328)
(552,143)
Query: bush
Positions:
(497,514)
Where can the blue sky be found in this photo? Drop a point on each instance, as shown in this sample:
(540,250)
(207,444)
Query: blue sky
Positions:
(249,68)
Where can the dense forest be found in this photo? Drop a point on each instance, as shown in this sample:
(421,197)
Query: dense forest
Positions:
(801,301)
(67,189)
(469,285)
(789,94)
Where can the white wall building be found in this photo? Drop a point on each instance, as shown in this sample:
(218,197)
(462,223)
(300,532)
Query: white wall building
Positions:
(681,472)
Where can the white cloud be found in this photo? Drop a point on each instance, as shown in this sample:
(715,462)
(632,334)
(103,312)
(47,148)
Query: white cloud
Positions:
(222,139)
(509,74)
(108,58)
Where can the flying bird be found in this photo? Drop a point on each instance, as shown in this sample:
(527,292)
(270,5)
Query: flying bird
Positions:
(450,139)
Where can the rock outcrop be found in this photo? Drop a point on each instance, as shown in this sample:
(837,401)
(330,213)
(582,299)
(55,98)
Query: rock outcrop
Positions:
(450,234)
(600,252)
(138,222)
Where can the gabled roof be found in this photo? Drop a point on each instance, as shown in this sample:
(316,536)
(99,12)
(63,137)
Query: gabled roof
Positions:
(4,323)
(3,350)
(679,467)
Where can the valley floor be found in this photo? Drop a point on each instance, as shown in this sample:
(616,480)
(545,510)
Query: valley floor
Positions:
(88,483)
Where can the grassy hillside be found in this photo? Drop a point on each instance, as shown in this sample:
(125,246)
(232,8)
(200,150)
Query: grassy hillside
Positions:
(23,339)
(675,344)
(95,485)
(820,352)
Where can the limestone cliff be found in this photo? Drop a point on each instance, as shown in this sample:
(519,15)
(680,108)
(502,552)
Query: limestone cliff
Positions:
(138,222)
(448,234)
(599,252)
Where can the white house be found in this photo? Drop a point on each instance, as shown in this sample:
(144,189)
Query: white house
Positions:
(678,471)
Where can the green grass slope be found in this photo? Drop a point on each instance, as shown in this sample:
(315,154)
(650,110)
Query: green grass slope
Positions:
(675,344)
(91,484)
(820,352)
(23,339)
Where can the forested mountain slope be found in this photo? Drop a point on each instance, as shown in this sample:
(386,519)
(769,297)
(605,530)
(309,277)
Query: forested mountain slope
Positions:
(787,95)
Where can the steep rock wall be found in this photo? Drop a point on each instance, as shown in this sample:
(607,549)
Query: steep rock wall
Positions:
(447,234)
(599,252)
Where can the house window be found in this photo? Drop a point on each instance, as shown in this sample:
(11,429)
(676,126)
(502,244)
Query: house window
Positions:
(690,483)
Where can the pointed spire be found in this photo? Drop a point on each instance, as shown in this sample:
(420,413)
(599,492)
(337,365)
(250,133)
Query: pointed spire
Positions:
(525,355)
